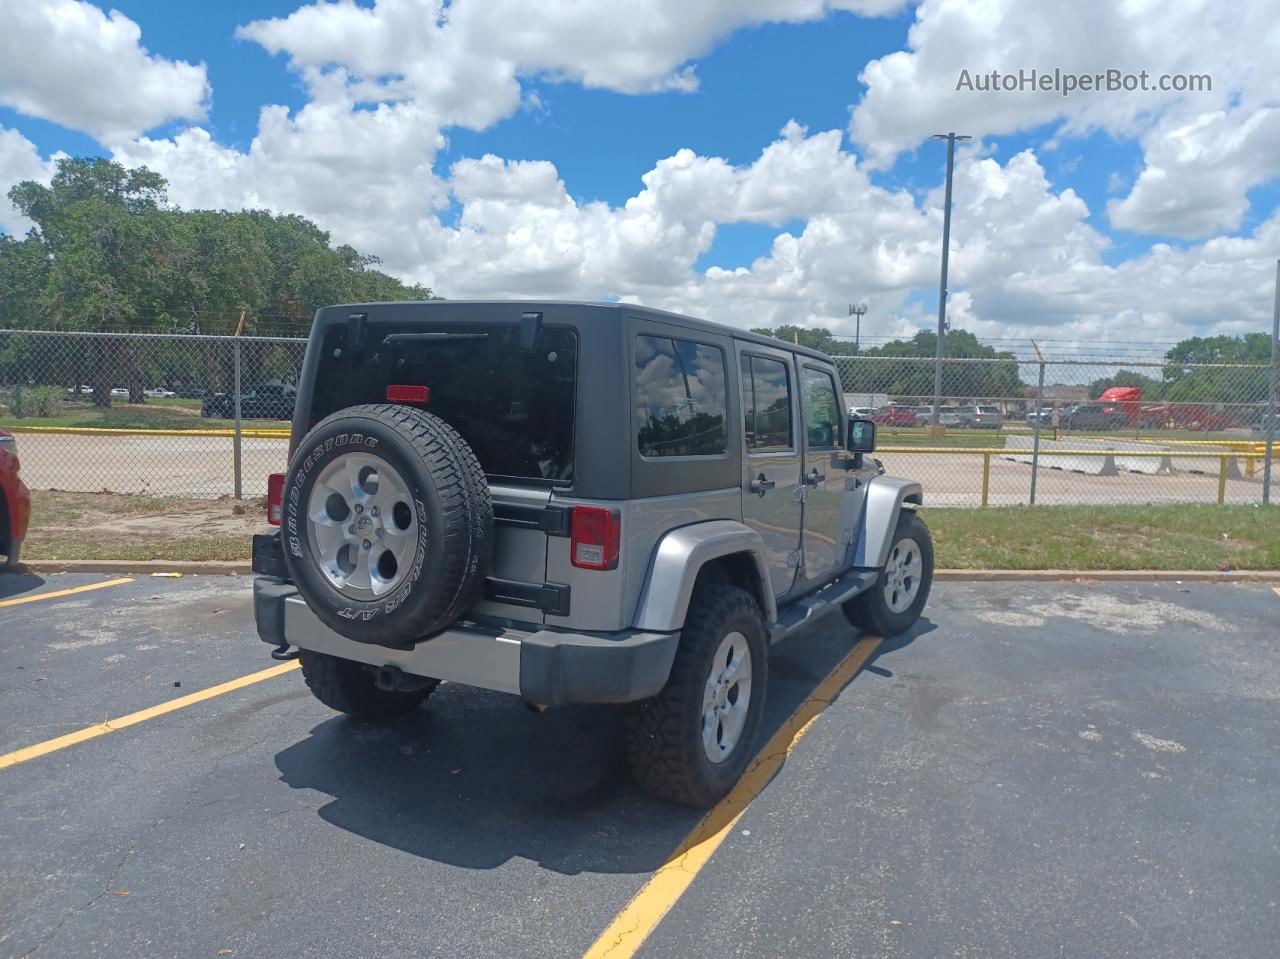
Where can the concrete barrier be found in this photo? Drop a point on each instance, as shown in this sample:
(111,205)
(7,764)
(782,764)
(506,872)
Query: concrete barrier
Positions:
(1020,450)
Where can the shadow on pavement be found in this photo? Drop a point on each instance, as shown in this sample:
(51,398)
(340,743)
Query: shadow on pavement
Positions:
(476,778)
(18,581)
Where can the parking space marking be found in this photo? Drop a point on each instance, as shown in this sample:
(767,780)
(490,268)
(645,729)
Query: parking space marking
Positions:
(64,592)
(641,915)
(132,719)
(1276,589)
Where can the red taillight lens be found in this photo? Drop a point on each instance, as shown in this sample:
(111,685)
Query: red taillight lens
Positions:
(407,393)
(594,535)
(275,498)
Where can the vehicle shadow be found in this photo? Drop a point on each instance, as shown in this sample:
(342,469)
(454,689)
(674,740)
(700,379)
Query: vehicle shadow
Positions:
(17,581)
(477,778)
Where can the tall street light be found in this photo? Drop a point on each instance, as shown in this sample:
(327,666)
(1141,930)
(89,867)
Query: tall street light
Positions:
(951,139)
(859,311)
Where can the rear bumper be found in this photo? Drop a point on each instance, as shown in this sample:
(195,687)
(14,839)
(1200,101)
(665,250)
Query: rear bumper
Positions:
(18,500)
(547,666)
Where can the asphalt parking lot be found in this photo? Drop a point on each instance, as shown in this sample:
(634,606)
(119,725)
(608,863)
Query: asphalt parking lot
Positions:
(1066,769)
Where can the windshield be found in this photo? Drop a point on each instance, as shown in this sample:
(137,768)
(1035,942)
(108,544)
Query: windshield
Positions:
(514,407)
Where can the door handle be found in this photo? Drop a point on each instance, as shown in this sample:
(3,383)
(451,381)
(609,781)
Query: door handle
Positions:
(760,485)
(814,478)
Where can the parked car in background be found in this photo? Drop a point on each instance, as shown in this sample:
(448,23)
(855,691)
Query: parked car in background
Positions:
(861,412)
(1045,416)
(980,417)
(15,502)
(1094,416)
(1260,426)
(947,416)
(266,401)
(895,415)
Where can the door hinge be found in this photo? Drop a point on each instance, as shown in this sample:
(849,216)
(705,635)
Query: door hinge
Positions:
(795,559)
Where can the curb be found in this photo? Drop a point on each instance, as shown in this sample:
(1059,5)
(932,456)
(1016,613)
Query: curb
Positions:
(244,568)
(1110,575)
(139,566)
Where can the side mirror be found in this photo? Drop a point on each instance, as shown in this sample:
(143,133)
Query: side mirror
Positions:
(862,436)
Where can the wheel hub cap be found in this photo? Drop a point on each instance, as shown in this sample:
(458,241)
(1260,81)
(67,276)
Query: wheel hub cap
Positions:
(726,698)
(362,526)
(902,575)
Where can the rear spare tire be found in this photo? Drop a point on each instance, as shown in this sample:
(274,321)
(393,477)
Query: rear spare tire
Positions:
(388,524)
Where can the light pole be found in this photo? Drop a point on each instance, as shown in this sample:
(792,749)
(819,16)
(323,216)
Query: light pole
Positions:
(859,311)
(951,139)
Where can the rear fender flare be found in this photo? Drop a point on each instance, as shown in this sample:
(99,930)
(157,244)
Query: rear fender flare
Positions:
(678,558)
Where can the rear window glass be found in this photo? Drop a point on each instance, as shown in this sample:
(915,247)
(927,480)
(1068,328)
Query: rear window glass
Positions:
(680,398)
(766,403)
(514,407)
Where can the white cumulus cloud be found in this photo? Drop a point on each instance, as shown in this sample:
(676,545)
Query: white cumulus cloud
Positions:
(67,61)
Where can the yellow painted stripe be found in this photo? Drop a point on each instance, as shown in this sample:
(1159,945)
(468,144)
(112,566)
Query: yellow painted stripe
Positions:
(64,592)
(1276,589)
(132,719)
(642,914)
(251,432)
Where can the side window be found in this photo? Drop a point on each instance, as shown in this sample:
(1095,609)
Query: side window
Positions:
(767,404)
(680,398)
(821,409)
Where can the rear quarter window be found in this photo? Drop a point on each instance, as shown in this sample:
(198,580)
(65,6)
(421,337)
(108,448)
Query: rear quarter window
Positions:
(680,398)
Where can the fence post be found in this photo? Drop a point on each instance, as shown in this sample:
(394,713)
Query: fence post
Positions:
(1035,447)
(986,477)
(235,449)
(1222,478)
(1271,393)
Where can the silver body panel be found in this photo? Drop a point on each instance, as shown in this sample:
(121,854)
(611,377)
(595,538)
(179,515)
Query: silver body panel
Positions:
(489,659)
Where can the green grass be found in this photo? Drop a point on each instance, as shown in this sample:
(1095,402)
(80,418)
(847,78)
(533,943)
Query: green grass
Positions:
(1187,537)
(113,526)
(156,414)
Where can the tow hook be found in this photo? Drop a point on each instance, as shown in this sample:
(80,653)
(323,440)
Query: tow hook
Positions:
(283,654)
(393,679)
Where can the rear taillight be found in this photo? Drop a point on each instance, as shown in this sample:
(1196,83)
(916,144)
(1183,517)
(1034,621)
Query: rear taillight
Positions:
(594,535)
(275,498)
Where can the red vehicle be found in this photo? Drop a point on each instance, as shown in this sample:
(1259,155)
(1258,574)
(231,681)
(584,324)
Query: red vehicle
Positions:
(894,415)
(15,502)
(1123,399)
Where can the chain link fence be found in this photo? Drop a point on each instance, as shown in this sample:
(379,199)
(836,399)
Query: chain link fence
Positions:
(152,414)
(158,414)
(1030,429)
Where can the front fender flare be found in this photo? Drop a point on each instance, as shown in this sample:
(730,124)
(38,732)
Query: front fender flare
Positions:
(881,505)
(678,557)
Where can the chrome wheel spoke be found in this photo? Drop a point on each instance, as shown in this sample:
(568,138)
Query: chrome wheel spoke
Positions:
(726,697)
(353,502)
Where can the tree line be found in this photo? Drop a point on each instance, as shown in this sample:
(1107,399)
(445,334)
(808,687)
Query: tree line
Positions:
(109,253)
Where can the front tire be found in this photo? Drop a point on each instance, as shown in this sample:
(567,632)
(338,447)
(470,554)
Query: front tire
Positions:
(691,742)
(895,602)
(349,687)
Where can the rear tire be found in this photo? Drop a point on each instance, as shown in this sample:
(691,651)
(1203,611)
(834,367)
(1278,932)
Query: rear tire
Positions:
(880,610)
(388,524)
(676,740)
(349,687)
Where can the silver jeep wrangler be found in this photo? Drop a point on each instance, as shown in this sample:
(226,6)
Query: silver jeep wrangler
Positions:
(576,503)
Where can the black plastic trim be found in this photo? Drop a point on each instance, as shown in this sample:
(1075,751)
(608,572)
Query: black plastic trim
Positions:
(267,555)
(620,668)
(551,598)
(269,594)
(552,520)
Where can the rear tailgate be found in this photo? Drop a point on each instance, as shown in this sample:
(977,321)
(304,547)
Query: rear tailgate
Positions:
(517,573)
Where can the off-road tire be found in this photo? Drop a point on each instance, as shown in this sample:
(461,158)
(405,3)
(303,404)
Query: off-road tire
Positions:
(349,688)
(663,734)
(453,509)
(869,611)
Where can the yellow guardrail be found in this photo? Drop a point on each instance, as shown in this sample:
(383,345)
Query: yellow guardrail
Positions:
(255,433)
(987,452)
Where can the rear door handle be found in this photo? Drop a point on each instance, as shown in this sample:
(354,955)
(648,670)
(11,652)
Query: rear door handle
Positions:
(815,478)
(760,485)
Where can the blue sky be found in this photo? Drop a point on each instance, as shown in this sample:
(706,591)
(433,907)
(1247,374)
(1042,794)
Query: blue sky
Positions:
(1162,178)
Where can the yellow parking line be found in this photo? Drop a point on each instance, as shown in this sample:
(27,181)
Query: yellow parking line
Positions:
(132,719)
(1276,589)
(64,592)
(642,914)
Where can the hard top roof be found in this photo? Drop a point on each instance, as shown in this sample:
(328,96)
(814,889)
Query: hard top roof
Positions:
(590,313)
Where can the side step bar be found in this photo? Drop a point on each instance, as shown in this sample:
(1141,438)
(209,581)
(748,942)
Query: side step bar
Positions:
(813,607)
